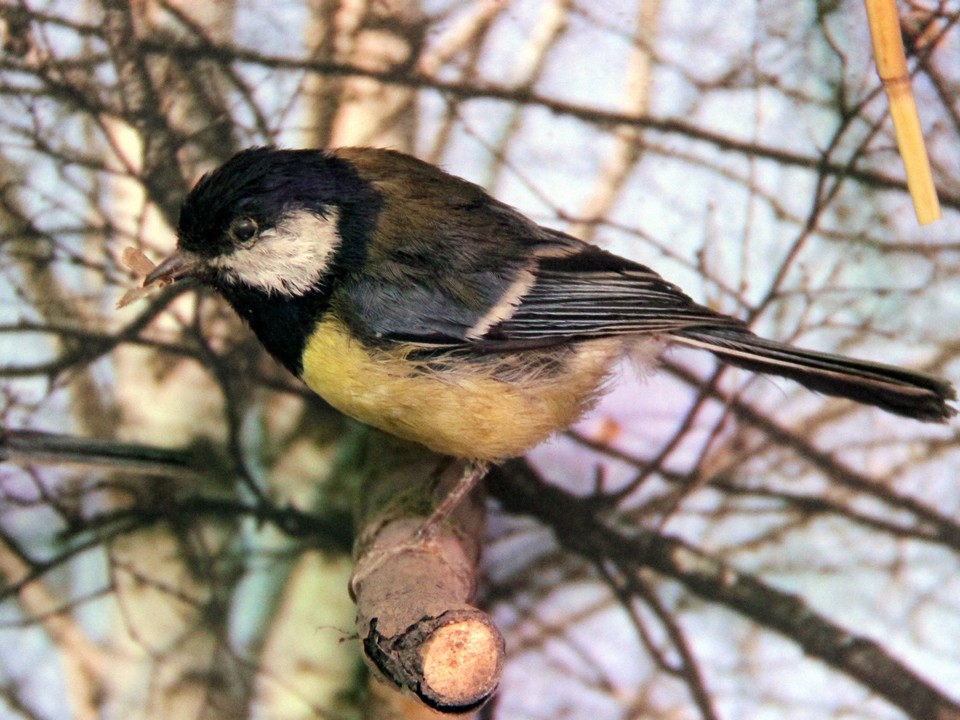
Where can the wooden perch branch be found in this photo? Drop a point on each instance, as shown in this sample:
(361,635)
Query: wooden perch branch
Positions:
(892,69)
(415,622)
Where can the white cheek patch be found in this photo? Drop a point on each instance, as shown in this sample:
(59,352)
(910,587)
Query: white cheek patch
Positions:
(289,259)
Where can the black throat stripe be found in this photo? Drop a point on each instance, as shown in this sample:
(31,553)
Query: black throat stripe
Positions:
(284,323)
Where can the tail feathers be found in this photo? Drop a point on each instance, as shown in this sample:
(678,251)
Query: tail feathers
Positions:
(897,390)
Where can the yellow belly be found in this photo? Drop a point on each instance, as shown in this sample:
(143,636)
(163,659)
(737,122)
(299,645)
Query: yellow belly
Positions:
(469,412)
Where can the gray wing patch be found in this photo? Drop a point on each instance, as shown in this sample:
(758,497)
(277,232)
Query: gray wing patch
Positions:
(555,299)
(381,312)
(595,294)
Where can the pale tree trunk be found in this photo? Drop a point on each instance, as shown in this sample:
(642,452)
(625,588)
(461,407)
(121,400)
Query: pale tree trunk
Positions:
(374,36)
(627,149)
(170,657)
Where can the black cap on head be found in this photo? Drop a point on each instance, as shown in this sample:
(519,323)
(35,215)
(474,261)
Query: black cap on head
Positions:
(263,183)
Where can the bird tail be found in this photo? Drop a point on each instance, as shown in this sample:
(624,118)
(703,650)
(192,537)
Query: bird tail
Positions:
(897,390)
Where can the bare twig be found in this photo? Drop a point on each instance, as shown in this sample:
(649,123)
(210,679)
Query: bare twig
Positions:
(866,661)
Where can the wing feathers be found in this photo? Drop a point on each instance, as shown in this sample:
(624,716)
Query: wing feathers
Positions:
(592,293)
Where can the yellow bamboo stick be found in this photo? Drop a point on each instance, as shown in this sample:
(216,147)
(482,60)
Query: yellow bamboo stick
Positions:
(892,69)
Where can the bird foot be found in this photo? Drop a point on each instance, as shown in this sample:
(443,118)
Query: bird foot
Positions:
(473,472)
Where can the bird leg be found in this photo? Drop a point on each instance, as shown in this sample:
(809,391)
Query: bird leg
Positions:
(473,472)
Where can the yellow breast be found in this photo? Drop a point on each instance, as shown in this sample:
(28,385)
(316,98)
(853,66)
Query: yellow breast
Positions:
(483,411)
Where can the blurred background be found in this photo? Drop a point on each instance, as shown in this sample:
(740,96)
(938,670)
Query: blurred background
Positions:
(175,508)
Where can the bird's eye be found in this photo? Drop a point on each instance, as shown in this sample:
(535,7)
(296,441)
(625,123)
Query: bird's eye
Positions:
(243,230)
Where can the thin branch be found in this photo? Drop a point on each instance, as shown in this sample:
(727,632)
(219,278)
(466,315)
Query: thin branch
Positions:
(519,489)
(28,447)
(594,116)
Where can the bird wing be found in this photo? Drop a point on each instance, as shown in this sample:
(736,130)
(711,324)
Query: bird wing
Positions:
(593,293)
(562,292)
(382,311)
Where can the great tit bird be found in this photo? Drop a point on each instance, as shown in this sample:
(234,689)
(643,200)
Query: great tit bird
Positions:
(415,302)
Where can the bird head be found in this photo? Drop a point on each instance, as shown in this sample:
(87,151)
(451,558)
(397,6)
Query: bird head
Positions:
(270,221)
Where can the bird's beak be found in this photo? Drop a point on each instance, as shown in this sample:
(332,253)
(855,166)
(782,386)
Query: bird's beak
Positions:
(170,270)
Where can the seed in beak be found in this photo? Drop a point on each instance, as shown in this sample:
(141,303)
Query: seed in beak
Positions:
(170,270)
